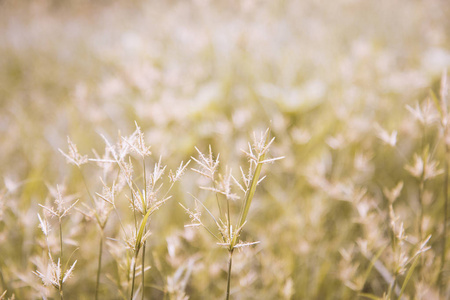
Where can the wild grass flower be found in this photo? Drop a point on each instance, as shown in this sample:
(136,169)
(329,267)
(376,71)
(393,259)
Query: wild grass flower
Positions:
(144,198)
(54,274)
(74,157)
(425,114)
(394,193)
(62,203)
(396,264)
(424,168)
(226,234)
(98,209)
(388,138)
(403,263)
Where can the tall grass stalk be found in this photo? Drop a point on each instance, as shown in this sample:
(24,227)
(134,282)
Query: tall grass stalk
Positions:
(102,227)
(56,275)
(230,262)
(75,158)
(143,248)
(61,258)
(101,224)
(442,106)
(140,241)
(444,233)
(251,190)
(143,201)
(99,266)
(133,274)
(246,206)
(421,212)
(143,271)
(229,235)
(444,90)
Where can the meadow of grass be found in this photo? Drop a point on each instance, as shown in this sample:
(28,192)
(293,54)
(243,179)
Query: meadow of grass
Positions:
(224,149)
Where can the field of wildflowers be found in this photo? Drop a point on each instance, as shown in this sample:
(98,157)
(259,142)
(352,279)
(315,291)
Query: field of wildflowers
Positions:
(224,149)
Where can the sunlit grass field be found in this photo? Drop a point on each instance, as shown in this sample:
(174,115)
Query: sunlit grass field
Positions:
(224,149)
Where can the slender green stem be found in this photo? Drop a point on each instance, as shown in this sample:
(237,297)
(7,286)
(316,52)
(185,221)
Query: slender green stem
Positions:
(99,267)
(120,220)
(145,212)
(145,183)
(230,261)
(251,190)
(134,274)
(60,240)
(134,209)
(85,184)
(422,177)
(142,271)
(217,198)
(61,258)
(391,294)
(444,237)
(228,218)
(421,189)
(248,198)
(168,190)
(394,250)
(421,214)
(392,231)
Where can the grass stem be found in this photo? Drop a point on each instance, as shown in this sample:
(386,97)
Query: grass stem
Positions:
(61,258)
(99,267)
(444,234)
(230,261)
(145,212)
(134,274)
(391,294)
(421,213)
(142,270)
(91,198)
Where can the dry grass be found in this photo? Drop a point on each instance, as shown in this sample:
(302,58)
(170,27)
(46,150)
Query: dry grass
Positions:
(355,93)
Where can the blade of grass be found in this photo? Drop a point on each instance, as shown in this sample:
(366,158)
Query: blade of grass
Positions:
(251,191)
(408,275)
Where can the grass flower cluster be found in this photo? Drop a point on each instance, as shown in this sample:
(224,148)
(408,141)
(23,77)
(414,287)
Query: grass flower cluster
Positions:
(225,234)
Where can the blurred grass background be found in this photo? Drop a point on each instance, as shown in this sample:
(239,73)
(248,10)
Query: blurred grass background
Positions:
(194,73)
